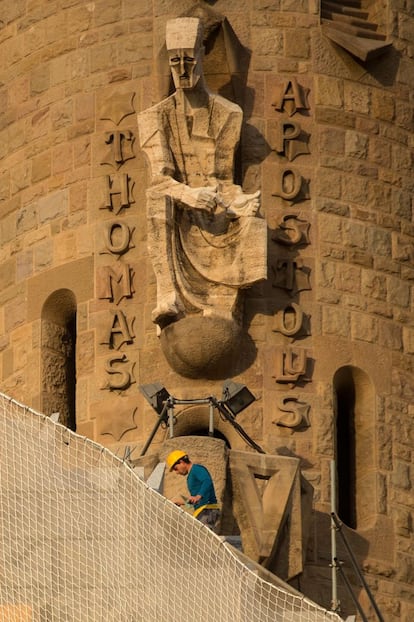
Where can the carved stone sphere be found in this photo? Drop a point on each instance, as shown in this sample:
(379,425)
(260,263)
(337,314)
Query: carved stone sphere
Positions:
(202,347)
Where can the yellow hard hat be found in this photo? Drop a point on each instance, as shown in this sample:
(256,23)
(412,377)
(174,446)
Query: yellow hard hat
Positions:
(174,457)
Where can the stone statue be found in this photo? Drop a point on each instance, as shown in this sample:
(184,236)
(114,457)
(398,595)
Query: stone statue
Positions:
(204,237)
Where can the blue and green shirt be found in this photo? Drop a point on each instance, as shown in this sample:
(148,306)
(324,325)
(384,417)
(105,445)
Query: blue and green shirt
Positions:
(199,482)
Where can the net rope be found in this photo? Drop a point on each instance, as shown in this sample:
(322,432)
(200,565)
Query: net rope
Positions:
(82,538)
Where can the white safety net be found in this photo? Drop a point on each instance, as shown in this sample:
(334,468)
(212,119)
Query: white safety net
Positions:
(82,538)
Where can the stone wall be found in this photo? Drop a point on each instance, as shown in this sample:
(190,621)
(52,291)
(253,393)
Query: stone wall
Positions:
(329,141)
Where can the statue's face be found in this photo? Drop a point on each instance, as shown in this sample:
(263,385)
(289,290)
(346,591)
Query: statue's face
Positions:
(185,67)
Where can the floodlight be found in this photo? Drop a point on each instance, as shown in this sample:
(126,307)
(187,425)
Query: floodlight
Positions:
(236,396)
(156,395)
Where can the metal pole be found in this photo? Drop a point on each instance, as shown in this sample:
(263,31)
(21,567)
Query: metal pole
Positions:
(211,420)
(170,403)
(348,585)
(356,567)
(230,418)
(161,419)
(335,603)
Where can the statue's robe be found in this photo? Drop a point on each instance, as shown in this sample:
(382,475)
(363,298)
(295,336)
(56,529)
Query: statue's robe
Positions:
(208,257)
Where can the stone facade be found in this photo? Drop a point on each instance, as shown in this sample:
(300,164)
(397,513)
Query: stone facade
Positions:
(327,344)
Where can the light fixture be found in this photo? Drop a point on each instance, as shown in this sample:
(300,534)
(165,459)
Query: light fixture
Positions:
(236,396)
(156,395)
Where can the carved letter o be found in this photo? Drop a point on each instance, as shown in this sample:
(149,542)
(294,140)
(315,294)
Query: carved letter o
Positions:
(121,245)
(291,309)
(291,190)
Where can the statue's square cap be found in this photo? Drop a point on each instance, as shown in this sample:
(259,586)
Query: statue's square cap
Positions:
(183,33)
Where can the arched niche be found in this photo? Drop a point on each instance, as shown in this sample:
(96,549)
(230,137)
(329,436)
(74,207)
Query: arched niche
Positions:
(354,399)
(58,356)
(195,421)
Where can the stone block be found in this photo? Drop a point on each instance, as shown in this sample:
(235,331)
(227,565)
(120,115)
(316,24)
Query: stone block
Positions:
(382,105)
(335,321)
(332,140)
(56,27)
(84,106)
(62,158)
(367,125)
(62,114)
(107,12)
(134,49)
(20,175)
(329,184)
(53,206)
(4,189)
(354,189)
(406,569)
(379,242)
(102,57)
(40,79)
(41,167)
(17,137)
(373,285)
(348,279)
(13,50)
(271,43)
(133,9)
(408,339)
(356,98)
(402,158)
(34,38)
(356,145)
(79,65)
(404,113)
(26,219)
(403,522)
(297,44)
(40,123)
(405,73)
(7,363)
(65,248)
(380,152)
(82,151)
(7,273)
(85,352)
(24,265)
(398,292)
(364,327)
(78,196)
(401,476)
(401,204)
(59,70)
(15,313)
(406,26)
(43,255)
(330,229)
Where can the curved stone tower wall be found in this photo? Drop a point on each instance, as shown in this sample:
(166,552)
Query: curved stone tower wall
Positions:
(329,140)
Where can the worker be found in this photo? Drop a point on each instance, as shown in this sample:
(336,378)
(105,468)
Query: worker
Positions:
(201,488)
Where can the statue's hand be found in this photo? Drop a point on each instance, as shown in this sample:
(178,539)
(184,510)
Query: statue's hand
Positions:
(203,198)
(244,205)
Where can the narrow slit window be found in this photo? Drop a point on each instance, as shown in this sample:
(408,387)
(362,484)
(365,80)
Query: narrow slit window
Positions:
(59,357)
(355,447)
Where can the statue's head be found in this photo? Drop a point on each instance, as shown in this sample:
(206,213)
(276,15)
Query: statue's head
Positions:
(184,41)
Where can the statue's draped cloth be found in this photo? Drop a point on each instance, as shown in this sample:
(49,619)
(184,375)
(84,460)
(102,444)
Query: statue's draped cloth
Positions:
(212,255)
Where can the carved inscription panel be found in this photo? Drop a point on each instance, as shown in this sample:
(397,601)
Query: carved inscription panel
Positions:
(115,278)
(290,272)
